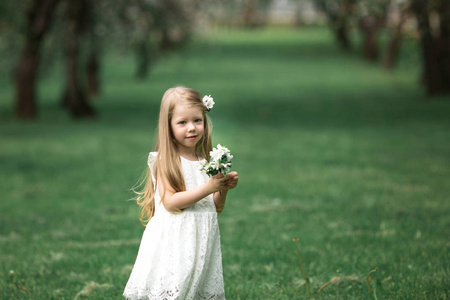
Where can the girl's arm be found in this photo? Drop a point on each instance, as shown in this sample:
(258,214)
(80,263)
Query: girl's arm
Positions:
(176,201)
(219,200)
(221,196)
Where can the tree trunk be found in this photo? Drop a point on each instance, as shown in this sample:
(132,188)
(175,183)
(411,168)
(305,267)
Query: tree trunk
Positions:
(166,42)
(26,82)
(444,44)
(340,23)
(341,33)
(431,77)
(368,27)
(394,44)
(39,20)
(75,98)
(93,61)
(435,50)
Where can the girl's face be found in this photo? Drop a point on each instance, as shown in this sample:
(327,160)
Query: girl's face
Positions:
(187,126)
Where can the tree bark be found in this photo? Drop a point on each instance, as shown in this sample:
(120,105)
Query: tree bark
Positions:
(341,33)
(39,20)
(345,11)
(394,44)
(166,42)
(339,19)
(435,49)
(369,27)
(75,97)
(444,44)
(26,82)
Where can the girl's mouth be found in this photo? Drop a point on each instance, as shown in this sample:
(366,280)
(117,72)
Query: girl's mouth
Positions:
(192,137)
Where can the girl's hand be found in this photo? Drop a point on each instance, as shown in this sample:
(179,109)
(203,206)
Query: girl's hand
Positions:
(231,180)
(217,182)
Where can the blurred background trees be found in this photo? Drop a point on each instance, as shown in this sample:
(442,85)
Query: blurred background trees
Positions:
(37,34)
(428,21)
(79,31)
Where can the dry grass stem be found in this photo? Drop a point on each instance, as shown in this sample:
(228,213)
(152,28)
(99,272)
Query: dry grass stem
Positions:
(332,280)
(303,271)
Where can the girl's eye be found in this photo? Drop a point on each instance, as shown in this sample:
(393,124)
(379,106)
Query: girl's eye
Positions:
(198,120)
(182,122)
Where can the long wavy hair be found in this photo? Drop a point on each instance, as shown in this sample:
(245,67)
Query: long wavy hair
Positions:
(168,163)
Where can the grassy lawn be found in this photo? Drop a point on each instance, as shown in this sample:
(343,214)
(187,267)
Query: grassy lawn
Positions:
(349,158)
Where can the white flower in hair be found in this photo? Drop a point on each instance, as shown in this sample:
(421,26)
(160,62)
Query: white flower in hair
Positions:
(209,102)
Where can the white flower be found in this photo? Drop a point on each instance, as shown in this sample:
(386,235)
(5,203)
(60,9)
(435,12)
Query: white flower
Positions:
(208,101)
(214,164)
(203,164)
(220,161)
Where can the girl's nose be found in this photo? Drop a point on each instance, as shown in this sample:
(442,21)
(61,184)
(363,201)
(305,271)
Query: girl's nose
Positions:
(191,127)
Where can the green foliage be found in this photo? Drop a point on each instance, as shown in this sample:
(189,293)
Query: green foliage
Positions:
(352,160)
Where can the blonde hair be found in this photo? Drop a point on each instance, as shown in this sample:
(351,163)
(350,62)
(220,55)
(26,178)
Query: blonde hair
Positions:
(168,163)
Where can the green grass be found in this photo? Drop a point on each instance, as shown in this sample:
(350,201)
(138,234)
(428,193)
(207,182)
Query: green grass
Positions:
(349,158)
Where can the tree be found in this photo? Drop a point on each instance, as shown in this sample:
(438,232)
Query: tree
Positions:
(39,19)
(339,13)
(75,99)
(435,43)
(101,16)
(156,27)
(371,17)
(395,39)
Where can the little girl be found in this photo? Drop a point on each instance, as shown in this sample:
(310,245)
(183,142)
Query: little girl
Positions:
(179,256)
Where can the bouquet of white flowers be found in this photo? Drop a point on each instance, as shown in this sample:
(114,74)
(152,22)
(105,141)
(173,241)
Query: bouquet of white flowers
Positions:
(220,161)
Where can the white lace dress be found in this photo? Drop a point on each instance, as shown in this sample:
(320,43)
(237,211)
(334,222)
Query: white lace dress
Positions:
(179,256)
